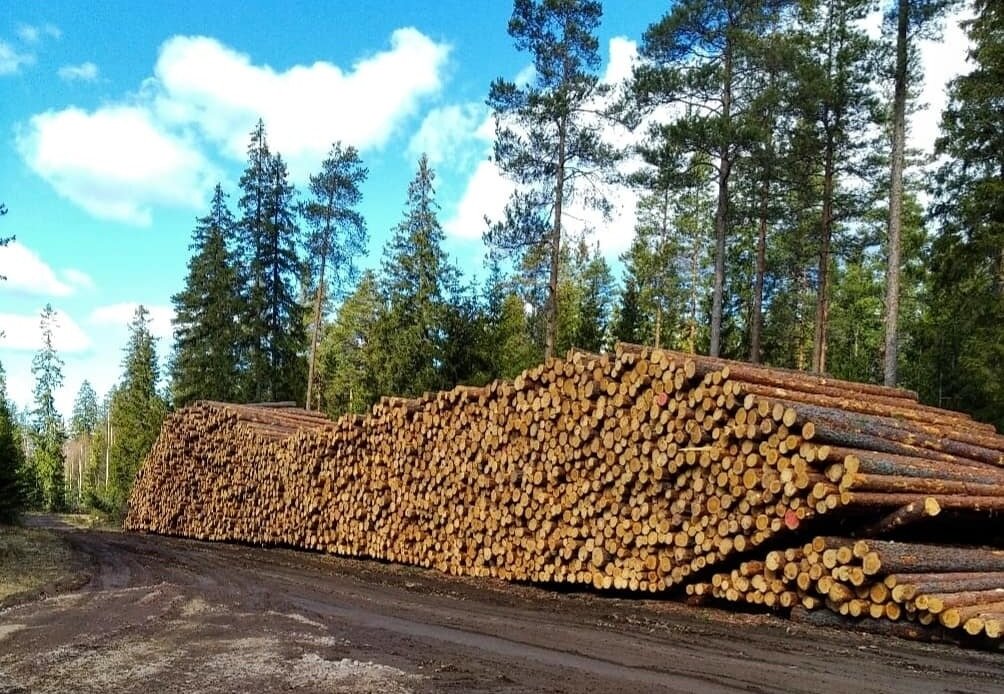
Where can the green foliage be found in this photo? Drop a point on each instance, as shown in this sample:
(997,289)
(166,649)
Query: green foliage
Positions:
(272,316)
(85,411)
(963,340)
(206,332)
(700,56)
(417,282)
(336,237)
(137,409)
(346,353)
(12,462)
(48,432)
(546,138)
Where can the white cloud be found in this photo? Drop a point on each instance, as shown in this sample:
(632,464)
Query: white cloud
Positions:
(942,60)
(24,333)
(488,190)
(623,56)
(30,33)
(85,72)
(115,162)
(120,161)
(486,194)
(201,82)
(26,272)
(451,135)
(11,59)
(121,314)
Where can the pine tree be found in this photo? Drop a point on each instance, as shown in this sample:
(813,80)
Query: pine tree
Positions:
(206,333)
(12,496)
(48,432)
(913,19)
(417,281)
(836,104)
(701,54)
(547,140)
(137,409)
(337,236)
(274,334)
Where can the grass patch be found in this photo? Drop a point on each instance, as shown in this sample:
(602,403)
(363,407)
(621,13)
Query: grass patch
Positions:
(33,561)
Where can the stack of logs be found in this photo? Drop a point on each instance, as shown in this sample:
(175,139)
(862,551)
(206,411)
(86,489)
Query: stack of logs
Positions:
(642,470)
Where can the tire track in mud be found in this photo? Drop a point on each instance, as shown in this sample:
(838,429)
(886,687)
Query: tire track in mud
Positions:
(221,617)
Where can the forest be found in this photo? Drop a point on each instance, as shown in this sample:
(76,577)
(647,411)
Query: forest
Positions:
(781,219)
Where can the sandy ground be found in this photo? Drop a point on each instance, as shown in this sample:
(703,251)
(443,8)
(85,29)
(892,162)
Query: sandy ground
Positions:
(171,615)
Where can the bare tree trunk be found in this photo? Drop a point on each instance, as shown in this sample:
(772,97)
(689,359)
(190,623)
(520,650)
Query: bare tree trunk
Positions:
(551,335)
(658,326)
(761,268)
(318,303)
(896,197)
(822,301)
(721,212)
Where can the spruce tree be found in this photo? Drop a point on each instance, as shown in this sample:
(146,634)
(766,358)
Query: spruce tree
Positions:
(137,409)
(272,318)
(12,496)
(206,331)
(345,359)
(337,236)
(48,432)
(964,339)
(417,282)
(509,347)
(84,419)
(547,139)
(596,297)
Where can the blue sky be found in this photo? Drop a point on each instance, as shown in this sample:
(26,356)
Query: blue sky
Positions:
(116,121)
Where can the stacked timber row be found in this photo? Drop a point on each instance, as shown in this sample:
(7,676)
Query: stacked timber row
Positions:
(638,470)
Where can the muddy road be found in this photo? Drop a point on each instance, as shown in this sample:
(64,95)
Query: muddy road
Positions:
(171,615)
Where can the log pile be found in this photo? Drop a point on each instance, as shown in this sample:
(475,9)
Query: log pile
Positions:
(642,470)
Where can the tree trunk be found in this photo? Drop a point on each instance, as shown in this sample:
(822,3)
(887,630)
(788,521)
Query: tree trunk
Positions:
(318,302)
(658,327)
(761,267)
(551,335)
(822,302)
(722,210)
(896,196)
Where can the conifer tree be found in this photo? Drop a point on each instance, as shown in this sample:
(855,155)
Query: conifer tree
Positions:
(417,282)
(913,19)
(137,409)
(346,354)
(837,104)
(509,347)
(595,305)
(12,496)
(48,432)
(84,419)
(206,332)
(964,339)
(547,139)
(700,56)
(272,320)
(336,237)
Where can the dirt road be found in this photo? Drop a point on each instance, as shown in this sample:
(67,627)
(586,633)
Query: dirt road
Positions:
(170,615)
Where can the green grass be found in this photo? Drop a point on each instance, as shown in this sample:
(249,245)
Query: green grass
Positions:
(32,560)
